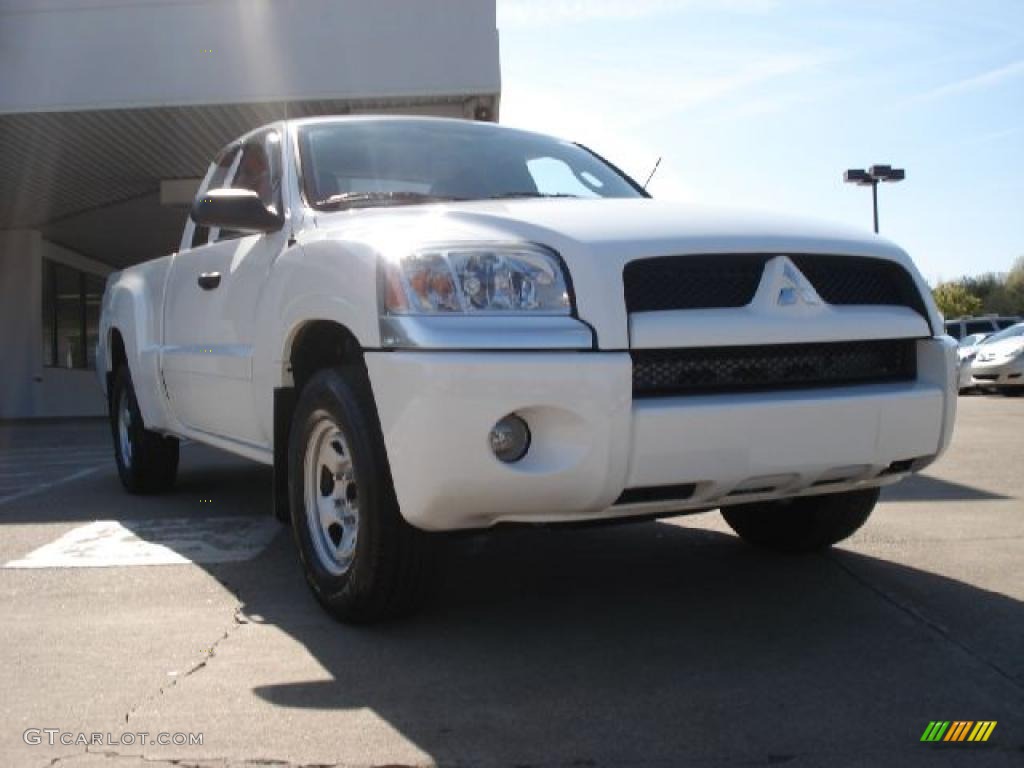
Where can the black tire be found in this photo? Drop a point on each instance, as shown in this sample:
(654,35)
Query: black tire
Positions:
(801,525)
(378,567)
(149,463)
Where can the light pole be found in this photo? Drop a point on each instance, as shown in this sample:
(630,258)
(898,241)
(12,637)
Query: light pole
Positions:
(871,177)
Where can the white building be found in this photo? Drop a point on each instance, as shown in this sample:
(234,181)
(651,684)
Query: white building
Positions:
(111,111)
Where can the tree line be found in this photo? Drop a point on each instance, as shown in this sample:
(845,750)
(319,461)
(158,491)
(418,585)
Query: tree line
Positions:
(992,293)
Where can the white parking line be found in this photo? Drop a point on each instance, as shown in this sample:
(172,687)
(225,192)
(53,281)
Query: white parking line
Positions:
(43,462)
(52,484)
(49,463)
(53,449)
(176,541)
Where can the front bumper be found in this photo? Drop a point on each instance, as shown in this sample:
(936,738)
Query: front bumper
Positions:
(591,442)
(998,374)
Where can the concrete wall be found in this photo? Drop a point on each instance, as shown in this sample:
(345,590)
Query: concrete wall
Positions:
(27,389)
(98,54)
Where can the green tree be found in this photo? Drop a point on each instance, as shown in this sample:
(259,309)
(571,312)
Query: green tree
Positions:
(1015,284)
(1015,278)
(955,300)
(989,288)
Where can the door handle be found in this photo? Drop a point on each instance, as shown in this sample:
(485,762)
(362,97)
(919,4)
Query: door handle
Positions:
(209,280)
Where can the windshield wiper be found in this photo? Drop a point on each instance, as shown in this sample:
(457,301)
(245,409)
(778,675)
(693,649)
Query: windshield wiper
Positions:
(361,199)
(344,200)
(509,195)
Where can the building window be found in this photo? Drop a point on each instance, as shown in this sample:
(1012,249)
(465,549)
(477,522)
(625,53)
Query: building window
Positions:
(71,316)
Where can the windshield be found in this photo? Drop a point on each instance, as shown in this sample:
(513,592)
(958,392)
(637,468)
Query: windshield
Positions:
(400,162)
(1009,333)
(973,340)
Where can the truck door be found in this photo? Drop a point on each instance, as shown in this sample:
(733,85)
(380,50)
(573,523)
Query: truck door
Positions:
(213,295)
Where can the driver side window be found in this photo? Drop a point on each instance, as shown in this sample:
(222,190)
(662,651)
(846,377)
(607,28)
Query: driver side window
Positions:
(254,165)
(222,168)
(259,168)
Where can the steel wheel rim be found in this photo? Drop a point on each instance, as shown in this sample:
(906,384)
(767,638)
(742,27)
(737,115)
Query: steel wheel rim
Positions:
(331,499)
(124,430)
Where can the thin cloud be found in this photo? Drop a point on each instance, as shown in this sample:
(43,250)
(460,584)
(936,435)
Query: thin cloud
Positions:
(988,138)
(530,13)
(978,82)
(665,96)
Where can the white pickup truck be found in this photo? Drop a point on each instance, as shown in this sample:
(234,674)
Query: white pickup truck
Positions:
(427,325)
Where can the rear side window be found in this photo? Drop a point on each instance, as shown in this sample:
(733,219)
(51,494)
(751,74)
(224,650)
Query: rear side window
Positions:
(953,329)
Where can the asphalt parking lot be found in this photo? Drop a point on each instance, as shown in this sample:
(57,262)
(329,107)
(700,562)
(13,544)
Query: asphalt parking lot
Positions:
(656,644)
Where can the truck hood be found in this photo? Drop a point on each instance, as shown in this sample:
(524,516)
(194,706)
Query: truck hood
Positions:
(634,228)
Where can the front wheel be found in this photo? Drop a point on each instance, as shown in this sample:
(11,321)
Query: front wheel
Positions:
(362,560)
(147,462)
(804,524)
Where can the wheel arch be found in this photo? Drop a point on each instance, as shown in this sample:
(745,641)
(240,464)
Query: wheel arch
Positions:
(311,346)
(130,333)
(317,344)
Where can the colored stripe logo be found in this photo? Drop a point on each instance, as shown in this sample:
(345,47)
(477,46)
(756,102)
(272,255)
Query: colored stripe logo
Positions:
(958,730)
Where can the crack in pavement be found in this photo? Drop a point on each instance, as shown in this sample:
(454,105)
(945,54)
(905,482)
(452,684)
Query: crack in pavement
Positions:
(921,618)
(217,762)
(238,619)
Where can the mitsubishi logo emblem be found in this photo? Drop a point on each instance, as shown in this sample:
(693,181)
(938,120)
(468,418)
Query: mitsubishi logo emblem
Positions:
(795,288)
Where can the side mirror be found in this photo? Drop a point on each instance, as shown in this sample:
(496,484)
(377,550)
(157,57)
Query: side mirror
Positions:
(238,209)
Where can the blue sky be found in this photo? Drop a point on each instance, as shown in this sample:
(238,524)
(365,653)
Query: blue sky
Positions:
(763,104)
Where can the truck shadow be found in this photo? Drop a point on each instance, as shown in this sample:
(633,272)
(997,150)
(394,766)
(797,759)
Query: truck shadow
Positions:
(594,647)
(928,488)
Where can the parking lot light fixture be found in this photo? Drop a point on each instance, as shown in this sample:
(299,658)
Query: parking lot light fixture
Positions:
(871,177)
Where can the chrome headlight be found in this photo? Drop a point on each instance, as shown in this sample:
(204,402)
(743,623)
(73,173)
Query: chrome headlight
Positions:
(476,279)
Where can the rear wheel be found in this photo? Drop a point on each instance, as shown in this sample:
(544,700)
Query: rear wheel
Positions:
(147,462)
(363,562)
(805,524)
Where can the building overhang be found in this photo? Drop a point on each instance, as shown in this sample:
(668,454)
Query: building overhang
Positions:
(112,100)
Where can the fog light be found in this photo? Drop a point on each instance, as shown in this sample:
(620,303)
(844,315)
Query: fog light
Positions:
(510,439)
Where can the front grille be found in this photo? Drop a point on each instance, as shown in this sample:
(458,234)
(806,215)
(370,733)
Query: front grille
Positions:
(692,282)
(731,280)
(714,370)
(859,280)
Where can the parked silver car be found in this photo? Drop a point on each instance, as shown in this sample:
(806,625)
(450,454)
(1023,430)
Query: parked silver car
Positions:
(999,362)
